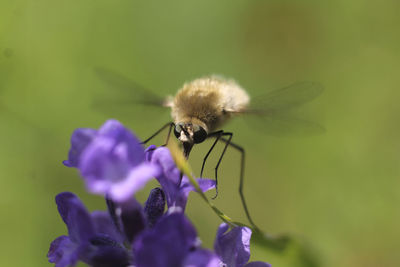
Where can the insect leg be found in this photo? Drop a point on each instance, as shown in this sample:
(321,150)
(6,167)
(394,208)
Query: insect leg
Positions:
(241,183)
(227,142)
(170,124)
(218,136)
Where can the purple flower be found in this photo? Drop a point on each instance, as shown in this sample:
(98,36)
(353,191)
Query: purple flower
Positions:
(125,237)
(111,160)
(113,163)
(172,242)
(202,258)
(233,247)
(102,238)
(92,238)
(170,176)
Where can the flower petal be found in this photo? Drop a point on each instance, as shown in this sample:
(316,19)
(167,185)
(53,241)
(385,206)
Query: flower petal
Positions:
(114,163)
(106,252)
(132,218)
(135,180)
(149,152)
(162,156)
(114,130)
(258,264)
(63,252)
(170,176)
(167,243)
(100,162)
(206,184)
(187,187)
(202,258)
(80,139)
(76,217)
(105,226)
(233,247)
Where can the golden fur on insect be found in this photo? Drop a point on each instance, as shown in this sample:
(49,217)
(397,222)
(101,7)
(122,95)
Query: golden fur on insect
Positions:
(208,102)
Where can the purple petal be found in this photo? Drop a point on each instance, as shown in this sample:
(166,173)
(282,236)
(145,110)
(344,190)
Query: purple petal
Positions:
(63,252)
(105,252)
(114,130)
(258,264)
(155,206)
(206,184)
(233,247)
(179,197)
(110,257)
(162,156)
(132,218)
(93,238)
(202,258)
(80,139)
(76,217)
(170,176)
(136,179)
(105,226)
(149,152)
(114,163)
(101,161)
(167,243)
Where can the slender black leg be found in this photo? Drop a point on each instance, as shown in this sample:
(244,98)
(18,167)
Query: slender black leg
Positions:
(169,133)
(220,159)
(170,124)
(218,136)
(241,183)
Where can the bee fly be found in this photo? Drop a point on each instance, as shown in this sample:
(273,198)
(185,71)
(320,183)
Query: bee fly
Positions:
(202,106)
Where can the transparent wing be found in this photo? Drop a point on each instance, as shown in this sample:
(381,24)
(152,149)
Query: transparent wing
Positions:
(286,98)
(284,125)
(125,91)
(273,113)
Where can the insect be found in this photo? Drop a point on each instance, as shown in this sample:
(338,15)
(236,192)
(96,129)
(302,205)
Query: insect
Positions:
(201,107)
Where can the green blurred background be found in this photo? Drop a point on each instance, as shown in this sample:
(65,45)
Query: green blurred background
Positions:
(338,192)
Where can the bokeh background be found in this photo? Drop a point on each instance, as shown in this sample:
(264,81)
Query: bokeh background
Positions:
(337,192)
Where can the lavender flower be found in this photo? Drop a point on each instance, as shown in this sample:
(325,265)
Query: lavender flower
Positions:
(113,163)
(100,239)
(127,237)
(173,242)
(233,247)
(91,238)
(111,160)
(167,244)
(169,178)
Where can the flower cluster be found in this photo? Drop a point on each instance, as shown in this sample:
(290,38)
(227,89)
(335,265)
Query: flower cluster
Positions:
(113,163)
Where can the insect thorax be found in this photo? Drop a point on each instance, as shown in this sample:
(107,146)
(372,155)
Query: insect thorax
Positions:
(209,101)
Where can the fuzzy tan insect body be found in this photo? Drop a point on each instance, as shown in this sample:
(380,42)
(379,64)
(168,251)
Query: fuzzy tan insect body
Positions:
(208,102)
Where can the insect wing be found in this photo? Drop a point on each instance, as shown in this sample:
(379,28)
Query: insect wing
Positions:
(284,125)
(127,91)
(287,98)
(273,113)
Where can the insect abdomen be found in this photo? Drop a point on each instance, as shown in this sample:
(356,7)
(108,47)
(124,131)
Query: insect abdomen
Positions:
(211,100)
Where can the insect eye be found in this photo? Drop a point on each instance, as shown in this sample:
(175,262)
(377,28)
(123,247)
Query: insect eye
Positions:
(199,134)
(177,130)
